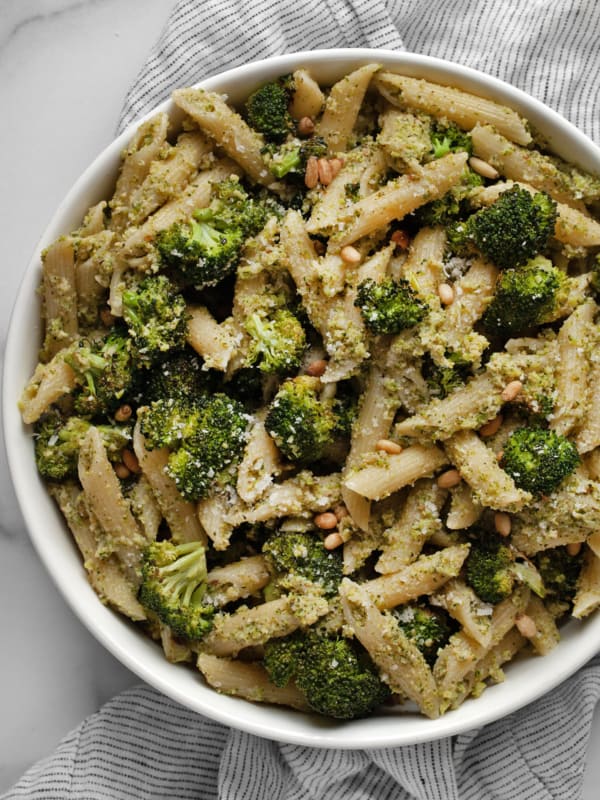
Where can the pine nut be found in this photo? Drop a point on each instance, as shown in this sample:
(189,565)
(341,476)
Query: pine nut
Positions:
(400,239)
(106,318)
(311,176)
(502,523)
(130,461)
(491,427)
(306,127)
(123,413)
(332,541)
(574,548)
(350,255)
(324,171)
(340,511)
(526,626)
(121,471)
(448,479)
(326,521)
(316,368)
(483,168)
(320,247)
(336,164)
(446,294)
(387,446)
(511,390)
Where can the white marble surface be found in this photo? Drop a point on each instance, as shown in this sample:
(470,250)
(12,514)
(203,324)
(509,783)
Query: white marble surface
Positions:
(65,66)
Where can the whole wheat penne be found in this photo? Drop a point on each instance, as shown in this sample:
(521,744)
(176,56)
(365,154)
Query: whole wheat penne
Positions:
(464,510)
(308,99)
(461,602)
(94,220)
(587,597)
(248,680)
(391,472)
(48,384)
(145,508)
(424,268)
(214,341)
(237,580)
(176,650)
(547,635)
(93,269)
(60,296)
(588,434)
(465,109)
(399,660)
(260,463)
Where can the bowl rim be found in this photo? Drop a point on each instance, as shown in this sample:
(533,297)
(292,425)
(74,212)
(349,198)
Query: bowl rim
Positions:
(108,626)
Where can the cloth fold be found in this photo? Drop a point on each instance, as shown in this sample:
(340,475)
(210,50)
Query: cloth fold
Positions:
(143,745)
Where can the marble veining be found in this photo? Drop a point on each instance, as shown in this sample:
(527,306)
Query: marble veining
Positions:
(65,66)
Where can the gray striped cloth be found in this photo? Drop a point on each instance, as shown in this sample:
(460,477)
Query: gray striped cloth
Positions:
(142,745)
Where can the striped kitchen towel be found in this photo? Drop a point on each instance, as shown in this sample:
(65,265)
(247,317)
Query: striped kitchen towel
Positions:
(143,745)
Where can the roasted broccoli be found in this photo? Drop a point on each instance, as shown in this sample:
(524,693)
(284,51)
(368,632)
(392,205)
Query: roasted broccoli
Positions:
(303,554)
(510,232)
(560,572)
(428,628)
(489,568)
(57,443)
(538,459)
(300,422)
(278,343)
(181,375)
(174,586)
(156,316)
(336,675)
(267,109)
(389,306)
(449,139)
(442,381)
(523,297)
(106,373)
(452,206)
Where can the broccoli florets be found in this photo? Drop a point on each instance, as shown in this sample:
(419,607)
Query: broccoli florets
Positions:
(523,297)
(278,344)
(510,232)
(336,675)
(442,381)
(429,629)
(57,443)
(106,373)
(449,139)
(538,459)
(267,109)
(489,569)
(390,306)
(303,554)
(156,316)
(174,587)
(301,424)
(560,572)
(180,376)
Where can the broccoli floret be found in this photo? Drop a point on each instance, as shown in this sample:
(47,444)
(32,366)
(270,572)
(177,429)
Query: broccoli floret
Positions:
(174,587)
(390,306)
(523,297)
(278,344)
(449,139)
(180,376)
(442,381)
(156,317)
(489,569)
(510,232)
(336,675)
(106,373)
(168,421)
(538,459)
(301,424)
(57,443)
(560,572)
(428,628)
(303,554)
(246,385)
(453,205)
(292,157)
(267,109)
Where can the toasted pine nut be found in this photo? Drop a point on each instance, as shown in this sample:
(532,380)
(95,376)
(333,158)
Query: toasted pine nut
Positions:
(306,126)
(311,176)
(526,626)
(130,461)
(401,239)
(448,479)
(511,390)
(574,548)
(332,541)
(483,168)
(387,446)
(491,427)
(446,294)
(336,164)
(121,471)
(340,511)
(324,170)
(106,318)
(500,455)
(350,255)
(502,523)
(316,368)
(319,247)
(123,413)
(326,521)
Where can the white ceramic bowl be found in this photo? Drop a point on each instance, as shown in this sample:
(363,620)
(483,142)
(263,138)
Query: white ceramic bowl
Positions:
(526,680)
